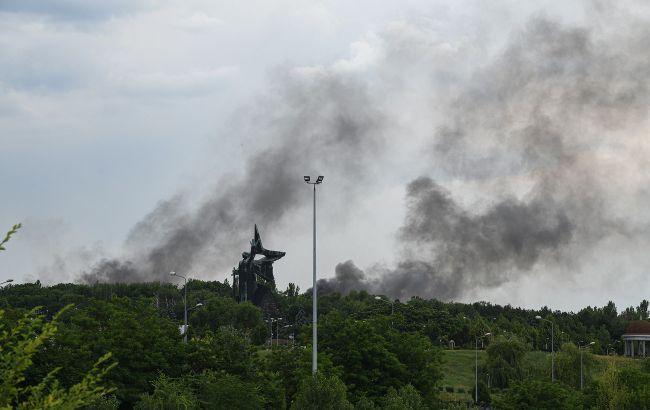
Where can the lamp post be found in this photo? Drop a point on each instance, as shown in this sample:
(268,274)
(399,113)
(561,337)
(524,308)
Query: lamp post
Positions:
(277,329)
(184,303)
(314,357)
(6,281)
(392,308)
(476,366)
(291,335)
(552,347)
(581,348)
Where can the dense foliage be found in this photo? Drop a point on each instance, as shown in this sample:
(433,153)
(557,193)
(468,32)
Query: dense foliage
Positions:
(368,357)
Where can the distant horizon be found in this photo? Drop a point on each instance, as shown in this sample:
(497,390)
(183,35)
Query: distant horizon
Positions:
(307,292)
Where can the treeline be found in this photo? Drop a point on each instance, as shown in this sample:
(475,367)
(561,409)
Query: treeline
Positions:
(373,352)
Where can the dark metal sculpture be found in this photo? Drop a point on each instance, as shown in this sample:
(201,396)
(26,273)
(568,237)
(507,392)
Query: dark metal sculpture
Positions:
(253,279)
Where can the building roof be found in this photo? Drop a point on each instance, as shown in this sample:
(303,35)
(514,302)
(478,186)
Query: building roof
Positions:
(638,327)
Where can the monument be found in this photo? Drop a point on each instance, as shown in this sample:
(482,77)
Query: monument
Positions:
(253,279)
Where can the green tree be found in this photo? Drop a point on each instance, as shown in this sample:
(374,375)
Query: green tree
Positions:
(320,392)
(8,236)
(406,398)
(421,359)
(483,392)
(144,344)
(624,389)
(18,346)
(169,394)
(292,364)
(539,395)
(369,366)
(567,362)
(227,349)
(364,403)
(219,390)
(505,358)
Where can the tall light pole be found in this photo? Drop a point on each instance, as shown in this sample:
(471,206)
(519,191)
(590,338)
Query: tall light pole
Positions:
(277,331)
(6,281)
(552,347)
(581,348)
(476,366)
(184,303)
(314,357)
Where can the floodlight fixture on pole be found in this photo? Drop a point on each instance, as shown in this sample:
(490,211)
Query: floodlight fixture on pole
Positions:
(476,366)
(552,346)
(314,360)
(184,304)
(581,348)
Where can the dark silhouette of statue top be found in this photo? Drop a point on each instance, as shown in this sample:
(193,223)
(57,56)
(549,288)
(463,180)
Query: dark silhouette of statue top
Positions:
(253,279)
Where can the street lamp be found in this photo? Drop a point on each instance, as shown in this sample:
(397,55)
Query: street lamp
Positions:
(581,348)
(184,303)
(392,307)
(314,363)
(277,329)
(6,281)
(552,347)
(476,365)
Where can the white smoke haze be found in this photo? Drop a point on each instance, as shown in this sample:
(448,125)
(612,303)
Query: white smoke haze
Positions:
(521,151)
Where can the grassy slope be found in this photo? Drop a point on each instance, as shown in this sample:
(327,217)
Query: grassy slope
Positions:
(459,368)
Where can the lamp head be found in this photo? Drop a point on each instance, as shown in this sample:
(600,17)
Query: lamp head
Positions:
(378,297)
(199,304)
(538,317)
(592,343)
(319,179)
(487,334)
(172,273)
(307,178)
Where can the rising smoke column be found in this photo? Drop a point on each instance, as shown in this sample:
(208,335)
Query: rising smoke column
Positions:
(311,119)
(544,129)
(546,134)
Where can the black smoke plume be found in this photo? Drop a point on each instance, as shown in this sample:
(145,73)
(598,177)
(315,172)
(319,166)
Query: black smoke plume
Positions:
(544,135)
(307,123)
(531,129)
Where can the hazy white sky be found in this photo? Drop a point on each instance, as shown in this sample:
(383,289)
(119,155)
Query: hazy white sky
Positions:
(108,108)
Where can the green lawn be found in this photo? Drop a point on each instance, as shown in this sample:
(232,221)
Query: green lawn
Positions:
(458,368)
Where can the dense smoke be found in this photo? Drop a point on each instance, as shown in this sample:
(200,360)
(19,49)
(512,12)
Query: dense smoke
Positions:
(541,129)
(524,171)
(311,118)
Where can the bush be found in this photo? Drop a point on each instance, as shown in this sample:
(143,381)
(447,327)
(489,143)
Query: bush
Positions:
(320,392)
(539,395)
(406,398)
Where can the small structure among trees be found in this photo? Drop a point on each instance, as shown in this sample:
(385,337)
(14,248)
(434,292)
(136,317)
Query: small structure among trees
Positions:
(635,337)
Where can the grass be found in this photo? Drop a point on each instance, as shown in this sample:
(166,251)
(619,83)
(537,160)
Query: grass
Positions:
(458,368)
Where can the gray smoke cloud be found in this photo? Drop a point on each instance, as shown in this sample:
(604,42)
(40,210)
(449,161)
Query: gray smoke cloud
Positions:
(543,129)
(309,120)
(526,169)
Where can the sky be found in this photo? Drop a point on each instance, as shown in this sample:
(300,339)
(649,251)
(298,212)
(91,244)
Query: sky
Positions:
(494,151)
